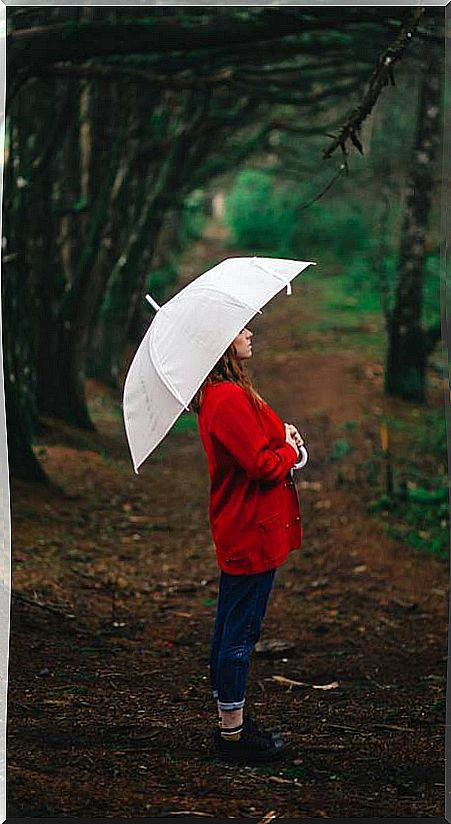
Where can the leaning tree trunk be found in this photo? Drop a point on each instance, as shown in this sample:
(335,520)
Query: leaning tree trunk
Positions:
(409,344)
(155,196)
(17,326)
(62,388)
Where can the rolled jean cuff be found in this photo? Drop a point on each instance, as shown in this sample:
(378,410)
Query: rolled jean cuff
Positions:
(231,705)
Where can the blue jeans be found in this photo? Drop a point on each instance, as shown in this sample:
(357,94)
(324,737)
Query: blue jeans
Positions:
(241,606)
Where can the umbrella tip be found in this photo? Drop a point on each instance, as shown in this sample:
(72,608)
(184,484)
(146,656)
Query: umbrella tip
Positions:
(152,302)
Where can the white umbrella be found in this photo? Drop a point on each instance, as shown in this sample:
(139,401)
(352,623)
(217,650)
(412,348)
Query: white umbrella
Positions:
(187,337)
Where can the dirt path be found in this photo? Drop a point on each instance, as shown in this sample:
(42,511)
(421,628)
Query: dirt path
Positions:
(109,703)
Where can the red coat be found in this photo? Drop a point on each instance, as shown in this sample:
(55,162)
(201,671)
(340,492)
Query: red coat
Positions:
(254,511)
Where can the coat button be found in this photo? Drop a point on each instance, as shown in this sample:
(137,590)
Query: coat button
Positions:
(298,518)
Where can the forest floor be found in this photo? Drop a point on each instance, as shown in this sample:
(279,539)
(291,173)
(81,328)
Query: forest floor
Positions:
(109,705)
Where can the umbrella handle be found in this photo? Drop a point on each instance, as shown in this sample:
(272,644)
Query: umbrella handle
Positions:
(303,460)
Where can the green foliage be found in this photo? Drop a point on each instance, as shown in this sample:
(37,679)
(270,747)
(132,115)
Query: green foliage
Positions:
(340,449)
(186,423)
(345,234)
(159,279)
(350,426)
(383,504)
(427,496)
(427,430)
(418,512)
(262,214)
(421,524)
(194,217)
(259,215)
(341,232)
(431,292)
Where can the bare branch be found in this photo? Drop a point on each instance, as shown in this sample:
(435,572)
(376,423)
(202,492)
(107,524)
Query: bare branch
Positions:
(382,76)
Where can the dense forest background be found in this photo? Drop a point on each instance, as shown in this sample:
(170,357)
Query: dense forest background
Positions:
(142,146)
(322,134)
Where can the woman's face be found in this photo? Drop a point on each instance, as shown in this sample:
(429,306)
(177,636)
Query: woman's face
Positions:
(243,344)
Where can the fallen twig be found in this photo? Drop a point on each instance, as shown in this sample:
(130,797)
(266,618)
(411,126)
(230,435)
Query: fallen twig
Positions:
(347,727)
(372,724)
(323,747)
(290,683)
(393,727)
(41,605)
(188,812)
(268,817)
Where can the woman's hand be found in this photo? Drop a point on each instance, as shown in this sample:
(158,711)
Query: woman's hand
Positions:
(294,433)
(292,438)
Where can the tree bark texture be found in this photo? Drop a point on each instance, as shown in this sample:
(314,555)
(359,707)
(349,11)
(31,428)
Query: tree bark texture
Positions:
(409,344)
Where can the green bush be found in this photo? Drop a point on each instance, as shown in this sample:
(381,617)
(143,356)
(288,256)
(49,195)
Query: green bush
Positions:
(343,233)
(340,449)
(260,216)
(339,234)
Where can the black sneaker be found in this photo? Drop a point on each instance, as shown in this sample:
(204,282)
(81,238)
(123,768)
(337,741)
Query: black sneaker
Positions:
(255,745)
(250,724)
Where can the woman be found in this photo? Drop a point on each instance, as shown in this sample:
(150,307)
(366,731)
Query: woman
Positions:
(255,522)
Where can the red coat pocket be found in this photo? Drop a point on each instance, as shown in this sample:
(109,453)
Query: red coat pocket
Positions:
(273,538)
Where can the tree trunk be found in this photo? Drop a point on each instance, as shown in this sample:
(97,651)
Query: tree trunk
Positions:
(17,305)
(62,388)
(408,343)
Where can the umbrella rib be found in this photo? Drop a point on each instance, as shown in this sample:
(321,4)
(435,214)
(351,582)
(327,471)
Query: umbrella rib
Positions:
(243,303)
(164,378)
(270,271)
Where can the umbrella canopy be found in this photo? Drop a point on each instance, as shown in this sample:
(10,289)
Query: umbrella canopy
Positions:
(187,337)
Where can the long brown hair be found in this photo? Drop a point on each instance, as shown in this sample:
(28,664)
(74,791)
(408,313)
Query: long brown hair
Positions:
(228,368)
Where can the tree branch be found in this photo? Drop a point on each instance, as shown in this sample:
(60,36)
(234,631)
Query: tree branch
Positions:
(30,49)
(382,76)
